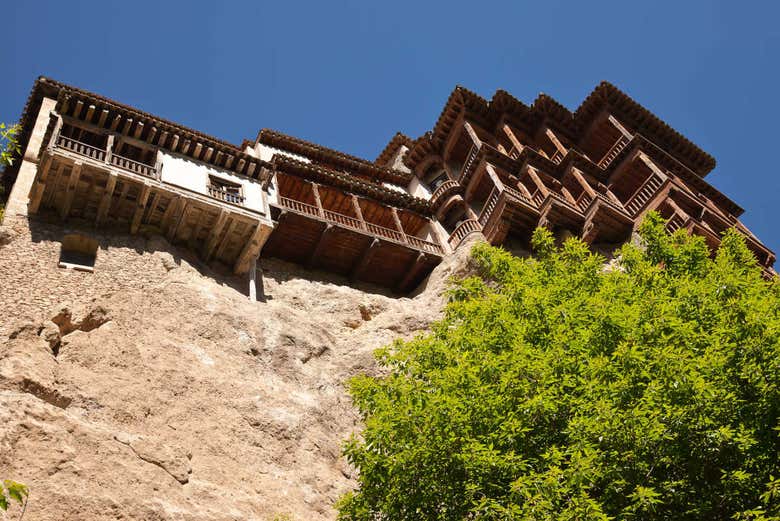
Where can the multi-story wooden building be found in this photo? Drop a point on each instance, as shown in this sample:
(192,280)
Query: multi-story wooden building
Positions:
(498,168)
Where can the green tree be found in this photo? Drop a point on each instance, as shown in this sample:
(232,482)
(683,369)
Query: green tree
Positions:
(13,491)
(9,150)
(563,388)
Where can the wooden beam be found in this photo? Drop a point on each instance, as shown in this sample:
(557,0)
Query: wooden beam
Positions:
(102,118)
(619,126)
(358,211)
(105,201)
(208,154)
(126,127)
(251,169)
(198,148)
(152,208)
(115,122)
(316,191)
(175,142)
(251,250)
(73,181)
(79,108)
(36,193)
(90,113)
(186,146)
(512,138)
(122,197)
(192,240)
(491,172)
(327,231)
(550,134)
(398,224)
(226,238)
(152,134)
(162,138)
(537,181)
(411,272)
(214,234)
(176,222)
(143,197)
(364,260)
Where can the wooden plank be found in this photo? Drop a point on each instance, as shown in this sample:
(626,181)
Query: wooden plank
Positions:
(214,234)
(177,219)
(411,273)
(36,194)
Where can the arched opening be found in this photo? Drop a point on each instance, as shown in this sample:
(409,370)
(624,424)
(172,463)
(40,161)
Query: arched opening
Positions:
(78,252)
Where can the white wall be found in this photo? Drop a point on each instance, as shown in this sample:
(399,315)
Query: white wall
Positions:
(417,189)
(194,176)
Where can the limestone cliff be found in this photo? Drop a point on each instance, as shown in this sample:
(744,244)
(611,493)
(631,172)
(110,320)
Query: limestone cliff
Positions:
(154,389)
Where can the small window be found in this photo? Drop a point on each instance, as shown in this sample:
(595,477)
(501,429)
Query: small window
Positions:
(78,252)
(225,190)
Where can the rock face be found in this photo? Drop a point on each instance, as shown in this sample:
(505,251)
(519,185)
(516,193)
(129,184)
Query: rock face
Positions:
(154,389)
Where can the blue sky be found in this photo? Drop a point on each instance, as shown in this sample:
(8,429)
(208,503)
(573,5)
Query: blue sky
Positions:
(350,74)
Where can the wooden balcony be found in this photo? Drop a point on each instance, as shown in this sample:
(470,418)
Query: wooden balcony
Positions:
(644,194)
(101,155)
(444,191)
(463,230)
(224,195)
(351,246)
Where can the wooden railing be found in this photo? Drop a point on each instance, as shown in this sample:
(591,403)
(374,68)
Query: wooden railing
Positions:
(644,194)
(490,206)
(80,148)
(344,220)
(298,206)
(468,166)
(517,194)
(220,193)
(361,226)
(464,229)
(557,157)
(537,198)
(676,222)
(443,188)
(387,233)
(562,200)
(584,200)
(134,166)
(613,152)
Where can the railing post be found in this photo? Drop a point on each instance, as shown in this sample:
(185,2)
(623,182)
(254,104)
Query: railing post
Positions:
(316,191)
(398,224)
(358,211)
(109,148)
(55,135)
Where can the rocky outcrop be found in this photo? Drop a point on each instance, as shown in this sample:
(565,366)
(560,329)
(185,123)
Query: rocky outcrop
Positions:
(157,390)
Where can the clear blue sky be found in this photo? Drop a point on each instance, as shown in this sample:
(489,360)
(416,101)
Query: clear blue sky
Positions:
(349,74)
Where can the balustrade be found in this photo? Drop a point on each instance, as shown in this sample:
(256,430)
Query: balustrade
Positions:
(613,152)
(81,148)
(361,226)
(644,194)
(223,195)
(464,229)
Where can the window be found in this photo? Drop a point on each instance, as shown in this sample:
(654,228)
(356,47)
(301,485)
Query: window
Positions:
(225,190)
(78,252)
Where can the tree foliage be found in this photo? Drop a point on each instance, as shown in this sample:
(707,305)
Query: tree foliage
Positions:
(12,491)
(9,144)
(563,388)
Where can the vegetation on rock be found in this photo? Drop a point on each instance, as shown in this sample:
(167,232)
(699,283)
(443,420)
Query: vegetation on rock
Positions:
(9,149)
(559,387)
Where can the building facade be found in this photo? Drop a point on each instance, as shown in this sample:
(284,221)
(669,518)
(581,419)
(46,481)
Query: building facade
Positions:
(495,167)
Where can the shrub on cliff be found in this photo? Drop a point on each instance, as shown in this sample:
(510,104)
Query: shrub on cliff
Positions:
(558,388)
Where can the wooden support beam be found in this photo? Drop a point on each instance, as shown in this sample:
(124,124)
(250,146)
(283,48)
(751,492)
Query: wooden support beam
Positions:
(65,105)
(555,141)
(537,181)
(358,211)
(90,113)
(139,128)
(619,126)
(472,134)
(491,172)
(127,126)
(102,119)
(219,157)
(251,250)
(152,134)
(105,201)
(143,197)
(251,169)
(398,224)
(152,208)
(208,154)
(229,161)
(79,108)
(169,214)
(186,146)
(122,197)
(583,182)
(70,191)
(175,142)
(316,191)
(327,231)
(214,234)
(162,139)
(36,193)
(223,244)
(115,122)
(241,163)
(512,138)
(176,222)
(411,273)
(364,260)
(198,148)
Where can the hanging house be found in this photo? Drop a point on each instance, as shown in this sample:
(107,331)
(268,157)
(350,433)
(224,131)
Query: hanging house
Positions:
(495,167)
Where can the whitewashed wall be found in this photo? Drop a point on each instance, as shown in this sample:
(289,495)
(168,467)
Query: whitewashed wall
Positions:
(194,176)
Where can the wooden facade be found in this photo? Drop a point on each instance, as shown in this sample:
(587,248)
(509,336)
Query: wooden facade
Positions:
(497,168)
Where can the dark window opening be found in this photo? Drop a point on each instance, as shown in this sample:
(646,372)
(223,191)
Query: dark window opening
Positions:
(78,252)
